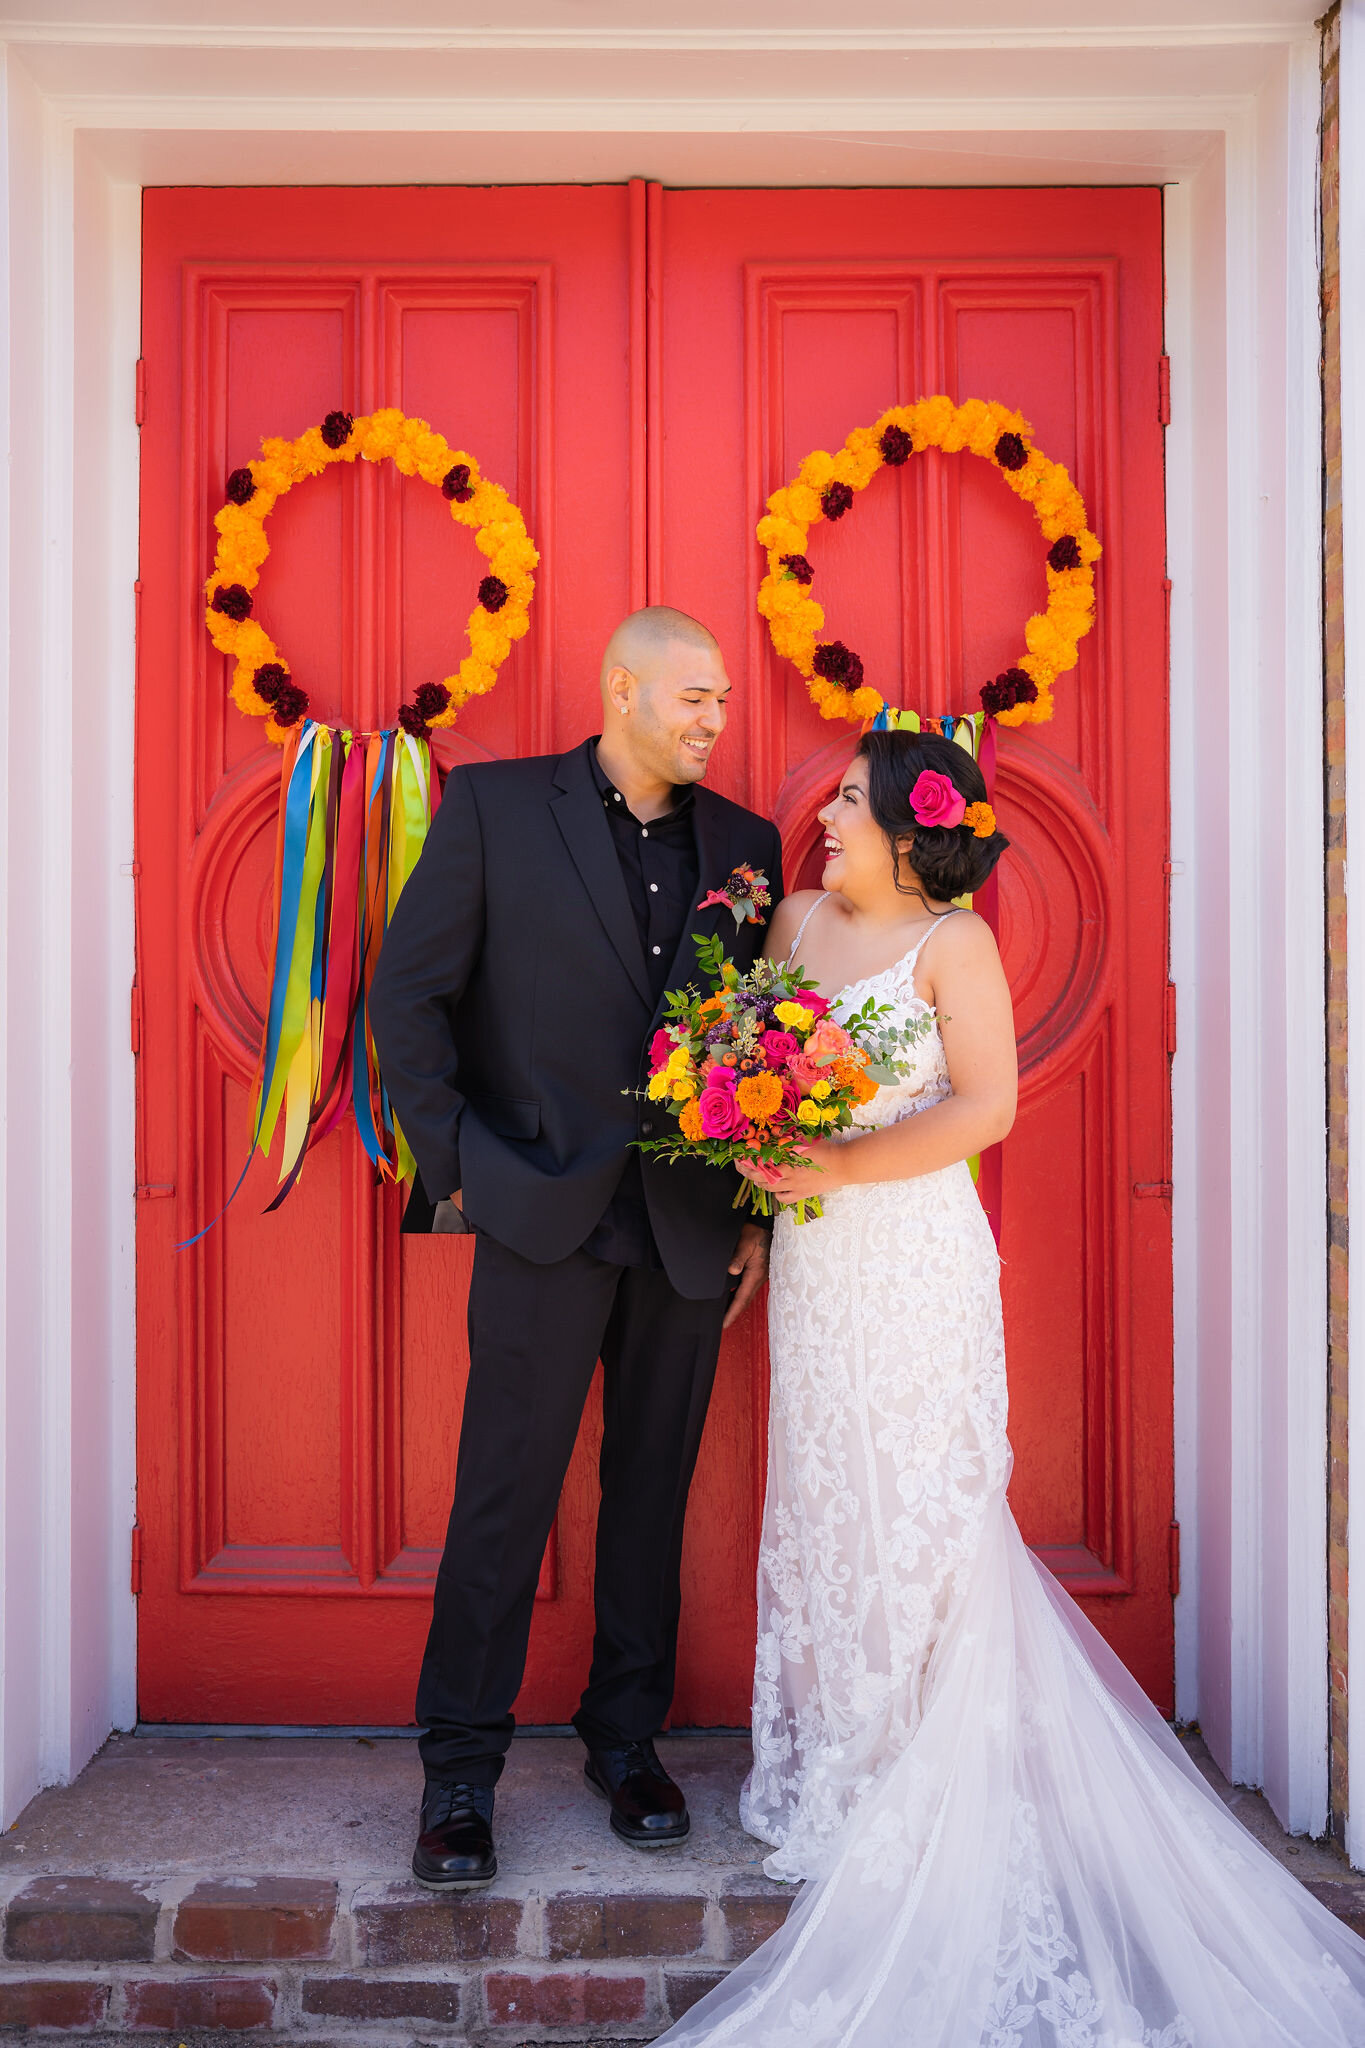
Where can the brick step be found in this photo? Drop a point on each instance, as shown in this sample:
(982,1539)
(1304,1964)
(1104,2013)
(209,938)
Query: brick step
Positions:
(295,1955)
(197,1891)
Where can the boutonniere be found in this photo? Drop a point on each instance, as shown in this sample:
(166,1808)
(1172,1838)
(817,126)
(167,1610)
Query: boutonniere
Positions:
(744,893)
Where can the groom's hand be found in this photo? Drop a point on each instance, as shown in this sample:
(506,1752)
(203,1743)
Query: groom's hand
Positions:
(751,1263)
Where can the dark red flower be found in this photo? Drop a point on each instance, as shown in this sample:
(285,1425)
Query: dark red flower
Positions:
(290,704)
(412,721)
(798,567)
(455,484)
(1010,452)
(233,600)
(896,446)
(269,680)
(493,593)
(336,429)
(241,487)
(1064,553)
(835,500)
(838,664)
(1009,689)
(429,700)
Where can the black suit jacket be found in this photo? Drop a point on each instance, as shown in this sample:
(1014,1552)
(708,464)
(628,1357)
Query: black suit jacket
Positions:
(513,1014)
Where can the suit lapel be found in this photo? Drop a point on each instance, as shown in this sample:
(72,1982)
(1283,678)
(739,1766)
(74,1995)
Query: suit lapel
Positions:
(578,812)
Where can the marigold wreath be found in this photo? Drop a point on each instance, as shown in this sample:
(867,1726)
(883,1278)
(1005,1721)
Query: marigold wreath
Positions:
(824,488)
(262,684)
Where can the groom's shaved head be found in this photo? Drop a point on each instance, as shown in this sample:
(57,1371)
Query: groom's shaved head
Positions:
(664,690)
(642,640)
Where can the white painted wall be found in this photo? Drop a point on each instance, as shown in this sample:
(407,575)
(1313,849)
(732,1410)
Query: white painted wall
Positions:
(1221,111)
(1352,304)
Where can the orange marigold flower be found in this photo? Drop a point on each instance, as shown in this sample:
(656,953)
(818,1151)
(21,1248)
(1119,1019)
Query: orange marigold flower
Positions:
(980,819)
(864,1088)
(690,1120)
(760,1096)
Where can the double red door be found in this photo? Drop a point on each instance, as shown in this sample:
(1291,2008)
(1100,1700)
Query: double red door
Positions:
(639,368)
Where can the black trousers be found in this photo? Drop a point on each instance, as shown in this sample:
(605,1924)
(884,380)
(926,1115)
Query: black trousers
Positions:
(535,1335)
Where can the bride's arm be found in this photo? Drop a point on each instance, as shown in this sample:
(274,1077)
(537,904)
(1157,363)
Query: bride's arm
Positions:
(976,1021)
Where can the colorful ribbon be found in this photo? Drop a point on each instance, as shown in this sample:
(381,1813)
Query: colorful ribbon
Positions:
(355,810)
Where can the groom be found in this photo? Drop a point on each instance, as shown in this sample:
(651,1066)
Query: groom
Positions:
(520,984)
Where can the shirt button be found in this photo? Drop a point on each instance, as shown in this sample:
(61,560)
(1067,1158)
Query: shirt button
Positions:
(655,949)
(647,1126)
(653,888)
(644,831)
(616,796)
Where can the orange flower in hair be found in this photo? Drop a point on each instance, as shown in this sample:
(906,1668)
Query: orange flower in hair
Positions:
(980,819)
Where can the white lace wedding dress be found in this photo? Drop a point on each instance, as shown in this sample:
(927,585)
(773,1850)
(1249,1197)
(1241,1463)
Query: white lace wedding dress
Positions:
(1004,1844)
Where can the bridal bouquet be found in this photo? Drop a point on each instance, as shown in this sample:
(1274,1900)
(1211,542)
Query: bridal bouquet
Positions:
(757,1068)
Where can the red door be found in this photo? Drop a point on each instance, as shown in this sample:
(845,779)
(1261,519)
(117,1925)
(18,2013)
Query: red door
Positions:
(300,1375)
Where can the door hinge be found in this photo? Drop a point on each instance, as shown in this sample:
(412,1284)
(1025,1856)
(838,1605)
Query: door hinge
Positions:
(1163,391)
(135,1574)
(1169,1016)
(135,1019)
(140,392)
(1175,1560)
(1152,1191)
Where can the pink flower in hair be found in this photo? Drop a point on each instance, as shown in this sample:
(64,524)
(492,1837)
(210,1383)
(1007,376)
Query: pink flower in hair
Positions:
(935,800)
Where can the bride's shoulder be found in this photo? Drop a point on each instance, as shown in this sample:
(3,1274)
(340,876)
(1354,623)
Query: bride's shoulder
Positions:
(787,920)
(961,945)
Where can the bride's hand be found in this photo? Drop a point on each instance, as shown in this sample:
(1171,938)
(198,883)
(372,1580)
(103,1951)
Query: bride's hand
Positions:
(799,1180)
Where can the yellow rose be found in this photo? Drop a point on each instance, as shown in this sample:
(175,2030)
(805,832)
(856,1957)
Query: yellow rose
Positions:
(808,1113)
(684,1090)
(820,1090)
(679,1061)
(829,1115)
(658,1087)
(794,1015)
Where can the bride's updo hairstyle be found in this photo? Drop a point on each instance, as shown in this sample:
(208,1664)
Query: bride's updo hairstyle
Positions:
(948,860)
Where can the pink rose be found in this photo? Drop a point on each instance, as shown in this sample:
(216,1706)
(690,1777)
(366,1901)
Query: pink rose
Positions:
(805,1072)
(779,1047)
(718,1075)
(721,1115)
(660,1050)
(791,1099)
(935,800)
(817,1005)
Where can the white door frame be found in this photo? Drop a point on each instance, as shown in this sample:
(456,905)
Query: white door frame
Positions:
(1227,121)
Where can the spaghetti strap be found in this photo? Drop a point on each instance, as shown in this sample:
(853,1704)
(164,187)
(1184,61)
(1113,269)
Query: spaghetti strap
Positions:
(913,955)
(801,931)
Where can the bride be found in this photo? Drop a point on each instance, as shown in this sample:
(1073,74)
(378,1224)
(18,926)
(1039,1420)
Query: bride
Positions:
(1004,1845)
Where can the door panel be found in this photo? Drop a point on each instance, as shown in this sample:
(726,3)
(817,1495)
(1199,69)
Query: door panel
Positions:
(787,319)
(301,1375)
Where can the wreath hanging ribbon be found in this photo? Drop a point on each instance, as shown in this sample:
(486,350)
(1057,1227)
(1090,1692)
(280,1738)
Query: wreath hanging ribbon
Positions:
(355,808)
(824,488)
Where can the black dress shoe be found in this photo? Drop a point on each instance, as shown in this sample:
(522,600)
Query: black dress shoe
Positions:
(454,1851)
(647,1808)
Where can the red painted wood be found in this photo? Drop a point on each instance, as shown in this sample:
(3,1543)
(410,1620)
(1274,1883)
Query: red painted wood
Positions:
(300,1376)
(789,318)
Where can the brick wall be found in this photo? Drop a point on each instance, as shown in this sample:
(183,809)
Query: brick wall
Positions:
(1335,767)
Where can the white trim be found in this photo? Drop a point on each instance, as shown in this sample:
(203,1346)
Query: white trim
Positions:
(1352,305)
(225,34)
(1250,1628)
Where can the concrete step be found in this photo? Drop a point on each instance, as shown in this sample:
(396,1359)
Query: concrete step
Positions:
(228,1889)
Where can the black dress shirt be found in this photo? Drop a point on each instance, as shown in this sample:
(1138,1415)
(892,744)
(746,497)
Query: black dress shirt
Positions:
(660,869)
